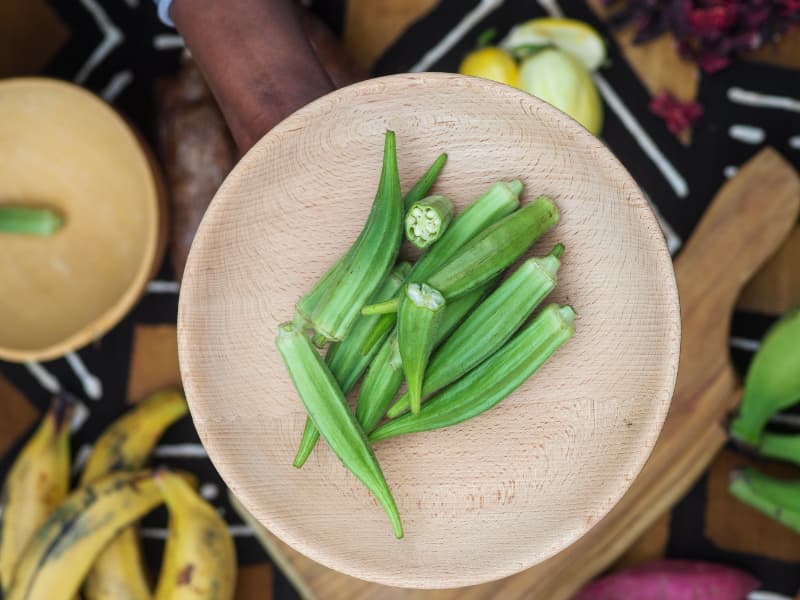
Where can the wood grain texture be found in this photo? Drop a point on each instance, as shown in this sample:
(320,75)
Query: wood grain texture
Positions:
(651,545)
(66,148)
(545,465)
(734,230)
(776,288)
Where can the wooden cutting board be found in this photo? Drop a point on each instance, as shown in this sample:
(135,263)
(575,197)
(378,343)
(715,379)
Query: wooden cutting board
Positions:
(742,228)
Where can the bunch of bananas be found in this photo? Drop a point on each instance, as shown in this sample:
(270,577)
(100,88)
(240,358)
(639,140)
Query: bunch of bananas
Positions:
(52,542)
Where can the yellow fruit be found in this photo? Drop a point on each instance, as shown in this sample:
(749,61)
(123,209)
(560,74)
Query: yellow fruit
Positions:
(491,63)
(119,572)
(36,484)
(199,557)
(62,551)
(561,80)
(574,37)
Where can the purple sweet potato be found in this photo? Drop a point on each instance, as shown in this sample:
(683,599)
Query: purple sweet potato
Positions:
(672,580)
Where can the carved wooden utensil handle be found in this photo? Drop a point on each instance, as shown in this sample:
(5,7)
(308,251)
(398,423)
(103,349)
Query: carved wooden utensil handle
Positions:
(256,58)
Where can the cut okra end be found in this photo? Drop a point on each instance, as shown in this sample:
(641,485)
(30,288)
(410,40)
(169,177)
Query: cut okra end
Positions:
(427,219)
(425,296)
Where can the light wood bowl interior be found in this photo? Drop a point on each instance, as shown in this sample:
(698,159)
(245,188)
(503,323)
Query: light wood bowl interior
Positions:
(499,493)
(64,147)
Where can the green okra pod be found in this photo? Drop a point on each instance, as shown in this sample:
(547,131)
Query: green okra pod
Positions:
(495,248)
(455,311)
(427,220)
(345,359)
(490,325)
(328,409)
(773,380)
(417,321)
(779,499)
(491,381)
(333,304)
(385,374)
(499,201)
(29,220)
(382,381)
(425,183)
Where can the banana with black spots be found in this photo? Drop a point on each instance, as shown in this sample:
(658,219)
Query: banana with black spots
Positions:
(119,572)
(199,557)
(36,484)
(62,551)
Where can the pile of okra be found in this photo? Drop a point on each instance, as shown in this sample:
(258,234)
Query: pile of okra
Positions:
(450,326)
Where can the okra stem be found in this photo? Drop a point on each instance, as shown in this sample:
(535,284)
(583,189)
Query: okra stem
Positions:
(328,409)
(417,320)
(427,220)
(492,323)
(29,220)
(345,359)
(381,308)
(425,183)
(491,381)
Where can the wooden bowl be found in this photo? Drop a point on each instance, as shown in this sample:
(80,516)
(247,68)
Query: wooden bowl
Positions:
(66,148)
(501,492)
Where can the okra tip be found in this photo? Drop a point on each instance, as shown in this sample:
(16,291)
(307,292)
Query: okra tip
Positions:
(567,313)
(557,251)
(286,328)
(515,187)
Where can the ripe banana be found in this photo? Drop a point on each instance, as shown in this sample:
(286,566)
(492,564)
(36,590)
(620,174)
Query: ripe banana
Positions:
(37,483)
(128,441)
(119,571)
(199,557)
(61,552)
